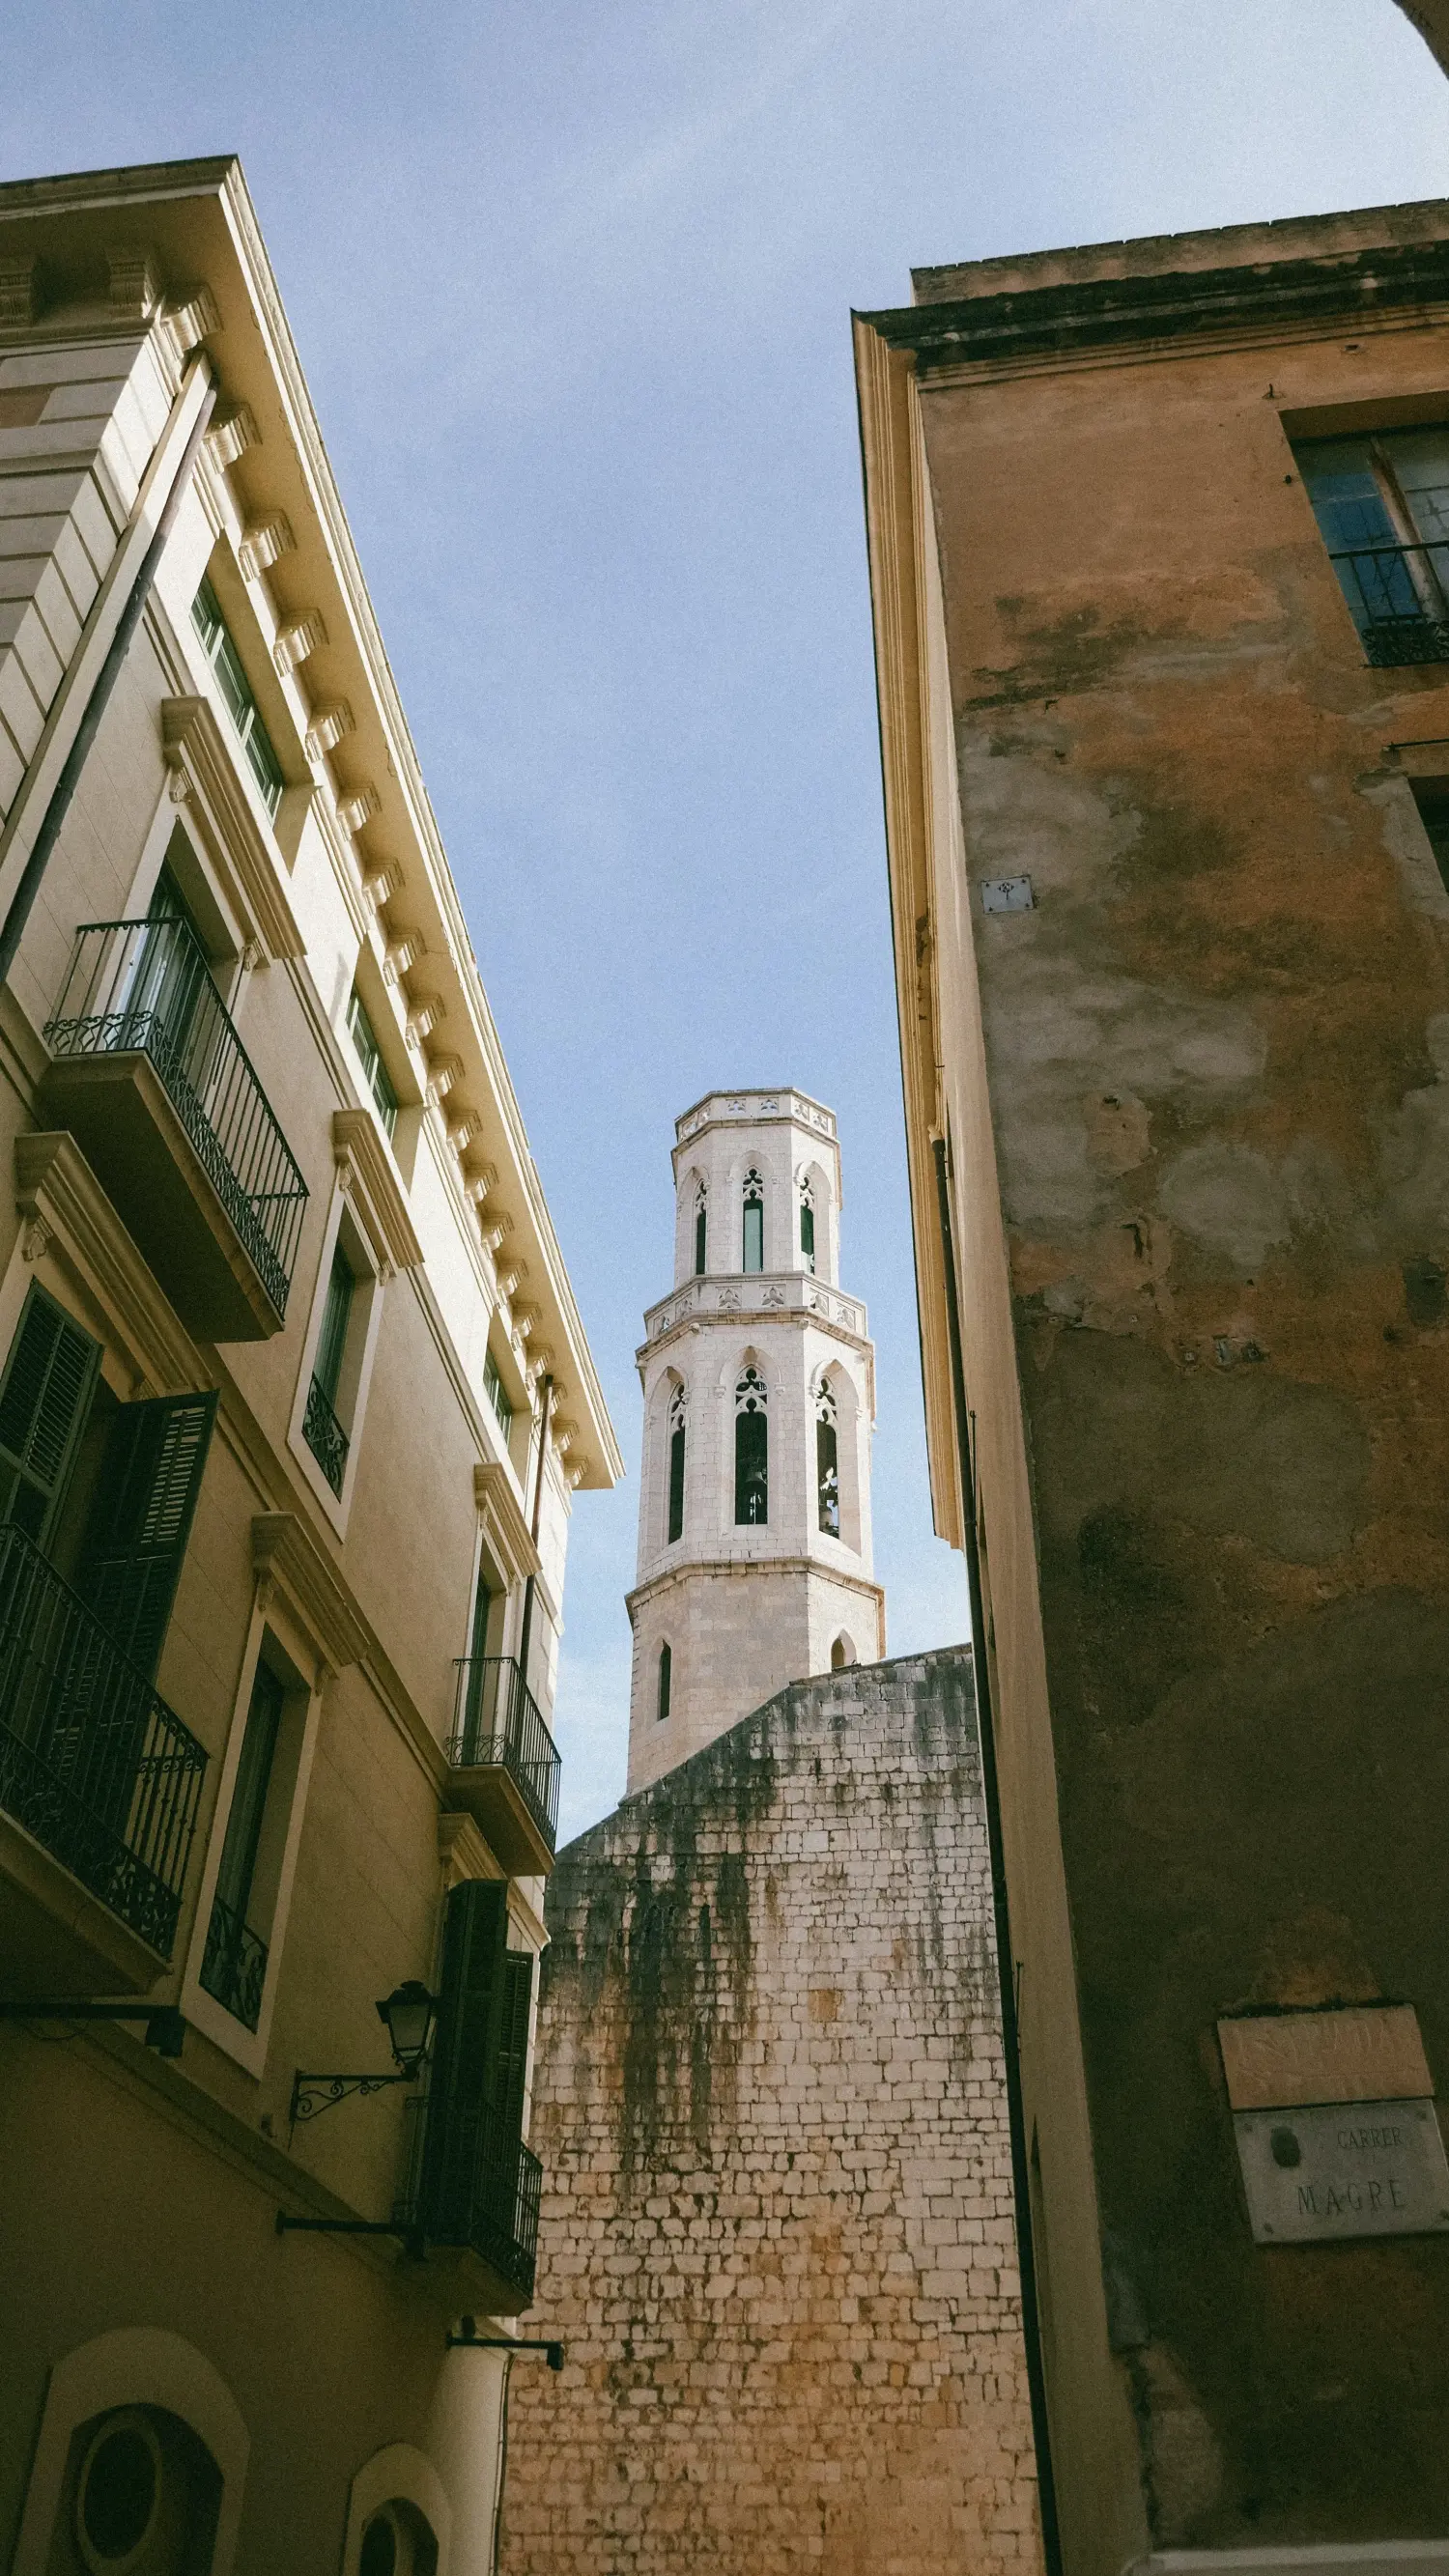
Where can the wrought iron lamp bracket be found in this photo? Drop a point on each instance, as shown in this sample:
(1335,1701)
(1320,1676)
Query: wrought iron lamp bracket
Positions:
(312,2094)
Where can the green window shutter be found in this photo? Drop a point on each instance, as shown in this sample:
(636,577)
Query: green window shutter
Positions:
(141,1519)
(49,1377)
(511,2067)
(332,1339)
(471,2019)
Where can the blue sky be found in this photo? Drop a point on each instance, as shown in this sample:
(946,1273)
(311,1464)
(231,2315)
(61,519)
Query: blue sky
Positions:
(572,289)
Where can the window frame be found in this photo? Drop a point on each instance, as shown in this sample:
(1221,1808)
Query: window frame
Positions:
(223,659)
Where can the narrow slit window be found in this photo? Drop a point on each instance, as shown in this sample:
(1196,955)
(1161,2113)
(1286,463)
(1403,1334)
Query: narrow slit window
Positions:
(676,1464)
(236,696)
(497,1394)
(701,1233)
(323,1431)
(754,1231)
(752,1452)
(807,1228)
(665,1676)
(827,1476)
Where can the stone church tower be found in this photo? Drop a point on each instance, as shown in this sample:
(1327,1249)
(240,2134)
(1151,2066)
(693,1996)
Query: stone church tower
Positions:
(759,1395)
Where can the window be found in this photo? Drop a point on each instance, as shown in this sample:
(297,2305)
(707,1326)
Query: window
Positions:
(754,1222)
(48,1382)
(701,1230)
(1382,505)
(236,693)
(807,1226)
(1431,795)
(842,1654)
(234,1968)
(497,1394)
(666,1661)
(752,1452)
(369,1056)
(321,1428)
(676,1465)
(827,1479)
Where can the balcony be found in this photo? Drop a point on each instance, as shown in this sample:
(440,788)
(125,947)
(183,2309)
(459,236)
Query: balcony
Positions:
(100,1777)
(494,2219)
(1399,596)
(155,1085)
(234,1964)
(504,1764)
(325,1436)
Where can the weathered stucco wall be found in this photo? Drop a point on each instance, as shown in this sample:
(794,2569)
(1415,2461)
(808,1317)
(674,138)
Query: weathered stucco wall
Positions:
(777,2230)
(1216,1048)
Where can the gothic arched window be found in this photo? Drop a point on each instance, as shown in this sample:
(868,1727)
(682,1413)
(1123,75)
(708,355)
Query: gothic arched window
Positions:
(665,1663)
(676,1465)
(752,1452)
(754,1223)
(827,1476)
(701,1229)
(807,1224)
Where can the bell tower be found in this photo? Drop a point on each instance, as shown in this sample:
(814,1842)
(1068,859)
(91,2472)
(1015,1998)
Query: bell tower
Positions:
(759,1395)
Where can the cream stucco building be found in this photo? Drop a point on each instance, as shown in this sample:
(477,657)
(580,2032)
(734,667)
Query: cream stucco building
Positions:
(759,1395)
(294,1400)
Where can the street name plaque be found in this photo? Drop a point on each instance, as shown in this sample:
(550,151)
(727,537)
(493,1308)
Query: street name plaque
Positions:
(1343,2169)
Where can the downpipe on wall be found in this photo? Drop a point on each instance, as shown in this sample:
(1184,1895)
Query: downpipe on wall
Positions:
(1005,1965)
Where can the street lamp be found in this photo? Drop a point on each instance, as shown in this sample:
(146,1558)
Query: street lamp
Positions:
(407,2015)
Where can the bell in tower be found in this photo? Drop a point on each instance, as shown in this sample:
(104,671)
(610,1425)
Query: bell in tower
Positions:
(759,1396)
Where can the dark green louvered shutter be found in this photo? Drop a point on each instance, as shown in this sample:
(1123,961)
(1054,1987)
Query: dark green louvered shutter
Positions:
(48,1381)
(511,2067)
(141,1519)
(465,2057)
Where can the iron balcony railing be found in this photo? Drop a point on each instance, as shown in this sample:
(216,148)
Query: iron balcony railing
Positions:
(92,1761)
(508,2187)
(496,1719)
(325,1436)
(234,1965)
(1399,596)
(144,987)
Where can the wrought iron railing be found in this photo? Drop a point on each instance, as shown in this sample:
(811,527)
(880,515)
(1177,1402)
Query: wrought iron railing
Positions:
(496,1719)
(324,1435)
(145,987)
(507,2192)
(1399,596)
(92,1761)
(234,1966)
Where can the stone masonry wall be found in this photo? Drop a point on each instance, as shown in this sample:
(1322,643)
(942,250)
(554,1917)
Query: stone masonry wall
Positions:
(777,2234)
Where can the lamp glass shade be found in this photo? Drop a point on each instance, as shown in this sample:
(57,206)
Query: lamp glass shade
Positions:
(408,2013)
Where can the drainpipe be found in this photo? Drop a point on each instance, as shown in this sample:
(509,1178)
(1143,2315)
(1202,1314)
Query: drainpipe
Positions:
(526,1631)
(105,680)
(1005,1968)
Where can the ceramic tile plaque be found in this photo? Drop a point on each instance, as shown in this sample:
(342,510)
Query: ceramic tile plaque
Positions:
(1343,2169)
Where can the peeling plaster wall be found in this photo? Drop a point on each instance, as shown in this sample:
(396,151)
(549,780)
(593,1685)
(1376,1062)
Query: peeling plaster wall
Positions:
(777,2230)
(1215,1053)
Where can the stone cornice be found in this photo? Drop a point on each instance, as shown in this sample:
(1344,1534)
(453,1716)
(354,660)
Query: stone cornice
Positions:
(1280,295)
(370,1179)
(205,776)
(732,1568)
(285,1554)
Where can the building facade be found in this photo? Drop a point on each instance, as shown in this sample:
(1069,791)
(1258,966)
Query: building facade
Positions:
(1162,633)
(759,1396)
(294,1398)
(777,2221)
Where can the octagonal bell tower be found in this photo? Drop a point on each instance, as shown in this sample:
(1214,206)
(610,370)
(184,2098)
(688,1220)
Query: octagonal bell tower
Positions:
(759,1397)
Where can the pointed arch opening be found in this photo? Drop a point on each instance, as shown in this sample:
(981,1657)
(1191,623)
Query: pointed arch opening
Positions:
(827,1458)
(678,1429)
(753,1248)
(752,1449)
(701,1230)
(665,1683)
(807,1223)
(842,1653)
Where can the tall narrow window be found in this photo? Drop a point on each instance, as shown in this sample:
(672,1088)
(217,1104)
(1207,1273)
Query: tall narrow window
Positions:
(701,1230)
(234,1968)
(676,1464)
(323,1432)
(236,693)
(752,1452)
(827,1479)
(369,1056)
(1383,507)
(665,1663)
(48,1380)
(754,1222)
(807,1225)
(497,1393)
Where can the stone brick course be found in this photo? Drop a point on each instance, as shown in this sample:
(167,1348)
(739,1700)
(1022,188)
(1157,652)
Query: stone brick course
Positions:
(777,2232)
